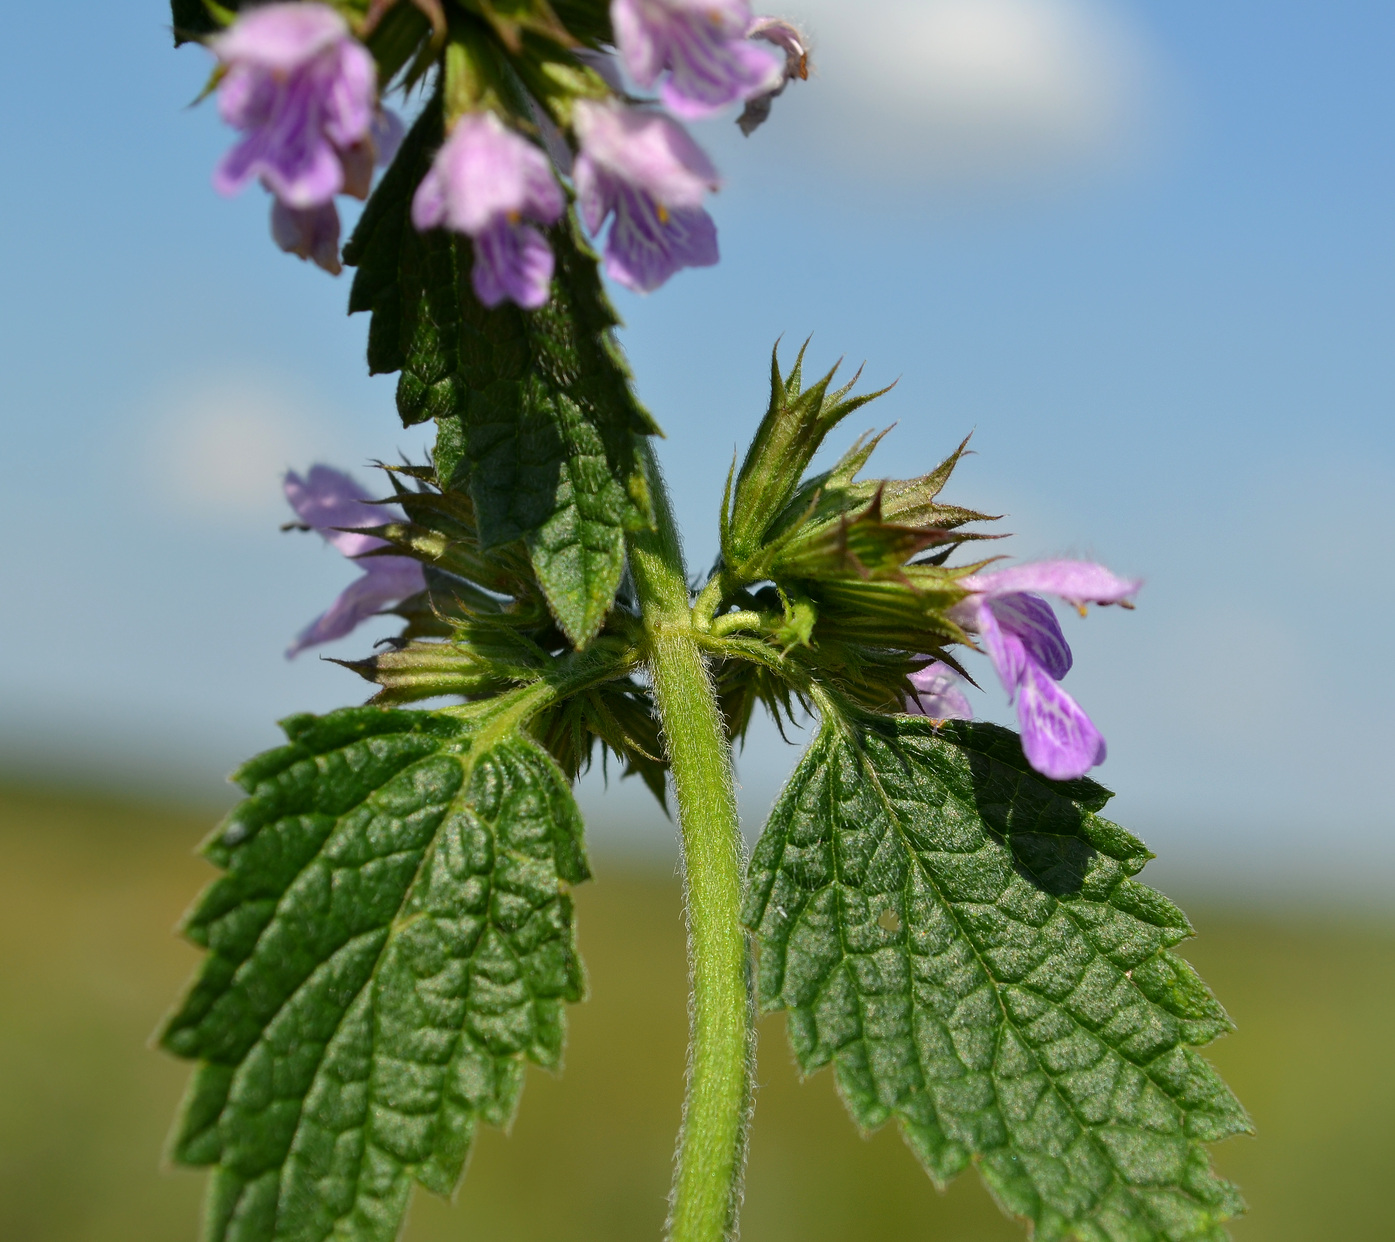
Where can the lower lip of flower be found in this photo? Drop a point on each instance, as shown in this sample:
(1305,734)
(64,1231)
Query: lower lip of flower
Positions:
(662,212)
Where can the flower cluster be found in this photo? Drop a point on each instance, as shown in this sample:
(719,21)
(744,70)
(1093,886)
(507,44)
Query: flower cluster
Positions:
(303,92)
(1021,636)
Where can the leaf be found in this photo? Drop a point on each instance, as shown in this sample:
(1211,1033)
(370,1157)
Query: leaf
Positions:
(796,422)
(963,940)
(191,20)
(535,414)
(390,941)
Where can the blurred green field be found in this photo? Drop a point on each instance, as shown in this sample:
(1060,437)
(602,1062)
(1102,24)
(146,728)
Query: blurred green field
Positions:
(89,890)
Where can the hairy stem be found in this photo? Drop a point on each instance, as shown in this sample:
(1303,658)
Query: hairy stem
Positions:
(712,1145)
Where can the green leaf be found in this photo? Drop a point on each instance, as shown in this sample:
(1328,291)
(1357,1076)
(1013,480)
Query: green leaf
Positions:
(963,940)
(795,425)
(535,413)
(390,941)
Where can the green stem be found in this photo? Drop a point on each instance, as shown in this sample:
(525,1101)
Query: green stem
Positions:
(712,1146)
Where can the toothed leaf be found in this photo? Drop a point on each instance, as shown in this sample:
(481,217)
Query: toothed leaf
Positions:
(390,942)
(963,940)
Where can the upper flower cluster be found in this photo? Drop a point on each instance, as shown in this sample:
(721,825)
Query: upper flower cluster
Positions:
(304,93)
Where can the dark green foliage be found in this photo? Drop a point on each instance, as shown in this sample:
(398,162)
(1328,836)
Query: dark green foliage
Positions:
(390,941)
(191,19)
(535,413)
(789,435)
(963,940)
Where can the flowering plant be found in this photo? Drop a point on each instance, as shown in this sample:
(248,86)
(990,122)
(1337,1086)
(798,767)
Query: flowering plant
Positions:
(935,902)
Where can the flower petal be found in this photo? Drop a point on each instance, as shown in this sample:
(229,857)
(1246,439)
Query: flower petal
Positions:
(327,498)
(1076,582)
(1032,620)
(350,96)
(937,694)
(429,202)
(647,244)
(646,149)
(389,580)
(280,37)
(513,263)
(1004,648)
(312,233)
(639,41)
(487,174)
(1058,738)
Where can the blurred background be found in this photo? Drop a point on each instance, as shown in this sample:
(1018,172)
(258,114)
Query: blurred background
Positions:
(1144,251)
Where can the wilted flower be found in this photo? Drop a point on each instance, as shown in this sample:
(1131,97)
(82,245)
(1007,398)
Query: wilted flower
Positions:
(703,46)
(645,168)
(310,232)
(303,93)
(486,182)
(329,501)
(1021,635)
(937,694)
(788,38)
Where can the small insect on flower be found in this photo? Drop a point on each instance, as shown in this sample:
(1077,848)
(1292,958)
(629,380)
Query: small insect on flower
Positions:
(489,183)
(303,92)
(701,44)
(1021,635)
(644,169)
(331,502)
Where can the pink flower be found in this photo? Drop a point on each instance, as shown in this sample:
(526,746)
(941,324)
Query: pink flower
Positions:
(1022,637)
(644,171)
(329,501)
(702,46)
(303,92)
(488,182)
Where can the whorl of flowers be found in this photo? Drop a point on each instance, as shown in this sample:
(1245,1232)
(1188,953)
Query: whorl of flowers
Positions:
(303,92)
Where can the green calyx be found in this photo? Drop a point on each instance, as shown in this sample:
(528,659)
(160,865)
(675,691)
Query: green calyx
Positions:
(828,578)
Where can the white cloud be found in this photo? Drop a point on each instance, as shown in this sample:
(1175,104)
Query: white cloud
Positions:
(974,90)
(221,446)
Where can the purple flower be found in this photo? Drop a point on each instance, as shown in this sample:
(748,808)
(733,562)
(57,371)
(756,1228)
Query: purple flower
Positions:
(329,500)
(302,91)
(1022,637)
(645,169)
(789,39)
(937,694)
(703,46)
(310,232)
(485,182)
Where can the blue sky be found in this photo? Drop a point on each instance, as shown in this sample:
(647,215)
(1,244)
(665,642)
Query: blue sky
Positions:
(1144,251)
